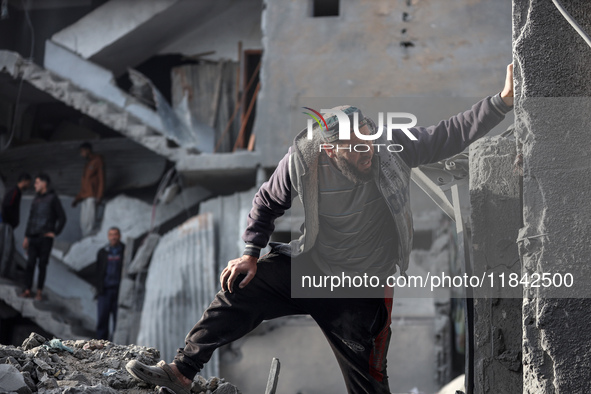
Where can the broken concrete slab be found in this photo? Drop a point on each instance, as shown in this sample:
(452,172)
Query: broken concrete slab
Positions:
(89,35)
(133,217)
(141,260)
(31,309)
(11,380)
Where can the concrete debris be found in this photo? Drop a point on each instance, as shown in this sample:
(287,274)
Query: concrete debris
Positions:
(12,381)
(33,341)
(94,366)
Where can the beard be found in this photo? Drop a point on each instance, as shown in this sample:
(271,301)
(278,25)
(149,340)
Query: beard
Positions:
(351,172)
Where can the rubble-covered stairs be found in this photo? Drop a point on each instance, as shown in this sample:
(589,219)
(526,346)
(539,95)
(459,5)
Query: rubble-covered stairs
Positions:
(122,112)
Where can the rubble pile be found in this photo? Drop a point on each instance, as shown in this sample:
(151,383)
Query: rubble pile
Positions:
(80,366)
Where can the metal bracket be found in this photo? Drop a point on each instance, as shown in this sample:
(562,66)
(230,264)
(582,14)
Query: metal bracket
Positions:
(434,179)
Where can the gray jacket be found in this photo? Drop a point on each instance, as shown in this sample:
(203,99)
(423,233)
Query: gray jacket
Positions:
(297,175)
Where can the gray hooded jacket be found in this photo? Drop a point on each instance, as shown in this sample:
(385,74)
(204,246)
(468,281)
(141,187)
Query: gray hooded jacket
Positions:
(297,175)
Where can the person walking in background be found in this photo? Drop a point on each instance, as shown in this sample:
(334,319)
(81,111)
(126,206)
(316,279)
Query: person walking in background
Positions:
(91,188)
(46,220)
(108,273)
(10,219)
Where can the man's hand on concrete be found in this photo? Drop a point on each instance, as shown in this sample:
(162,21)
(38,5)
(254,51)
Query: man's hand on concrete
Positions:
(507,92)
(26,243)
(244,265)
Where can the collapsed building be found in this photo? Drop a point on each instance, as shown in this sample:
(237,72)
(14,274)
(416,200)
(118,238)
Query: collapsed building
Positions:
(192,104)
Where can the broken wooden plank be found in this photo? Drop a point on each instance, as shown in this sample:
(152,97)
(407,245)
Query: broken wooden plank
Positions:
(251,142)
(241,135)
(221,139)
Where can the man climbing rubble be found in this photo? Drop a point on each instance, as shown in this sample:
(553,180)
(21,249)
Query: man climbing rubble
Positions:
(357,219)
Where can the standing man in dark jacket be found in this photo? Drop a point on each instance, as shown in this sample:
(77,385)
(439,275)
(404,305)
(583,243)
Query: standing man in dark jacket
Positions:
(46,220)
(11,206)
(357,222)
(108,274)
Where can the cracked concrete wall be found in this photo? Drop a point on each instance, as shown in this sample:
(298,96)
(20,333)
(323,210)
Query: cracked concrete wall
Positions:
(495,196)
(552,107)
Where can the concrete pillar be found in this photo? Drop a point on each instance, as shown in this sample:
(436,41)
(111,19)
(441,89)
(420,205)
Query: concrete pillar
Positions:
(496,219)
(552,118)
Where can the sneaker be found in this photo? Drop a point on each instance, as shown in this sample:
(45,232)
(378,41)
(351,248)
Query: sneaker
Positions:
(160,374)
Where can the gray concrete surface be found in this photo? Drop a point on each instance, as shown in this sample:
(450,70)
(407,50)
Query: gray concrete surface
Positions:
(459,49)
(495,196)
(12,381)
(552,107)
(107,24)
(221,31)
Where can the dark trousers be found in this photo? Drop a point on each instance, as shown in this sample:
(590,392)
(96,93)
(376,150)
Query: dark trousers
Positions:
(107,307)
(39,250)
(6,249)
(358,329)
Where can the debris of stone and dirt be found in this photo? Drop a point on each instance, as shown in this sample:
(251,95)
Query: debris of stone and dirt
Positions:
(80,366)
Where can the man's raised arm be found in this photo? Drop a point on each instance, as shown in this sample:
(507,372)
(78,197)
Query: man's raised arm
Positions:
(452,136)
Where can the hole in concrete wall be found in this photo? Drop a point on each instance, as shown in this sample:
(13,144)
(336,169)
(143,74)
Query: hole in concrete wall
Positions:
(406,17)
(403,31)
(406,44)
(171,144)
(322,8)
